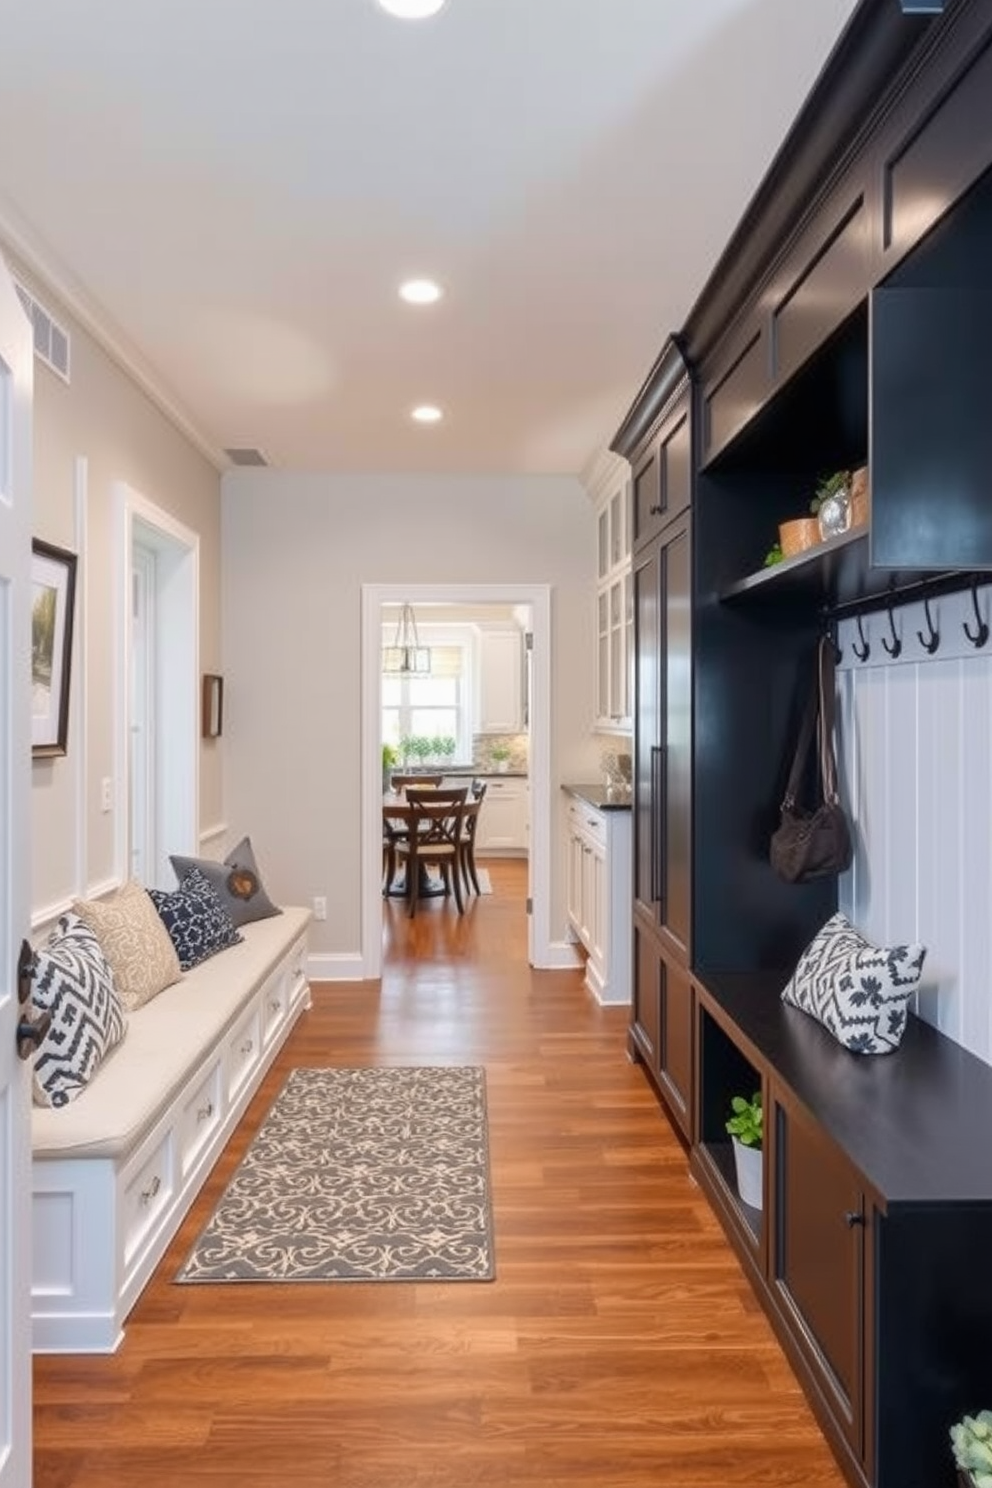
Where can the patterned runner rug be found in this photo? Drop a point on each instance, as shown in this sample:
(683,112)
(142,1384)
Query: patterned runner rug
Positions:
(359,1175)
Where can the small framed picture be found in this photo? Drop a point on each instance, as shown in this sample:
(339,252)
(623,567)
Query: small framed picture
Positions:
(53,586)
(213,705)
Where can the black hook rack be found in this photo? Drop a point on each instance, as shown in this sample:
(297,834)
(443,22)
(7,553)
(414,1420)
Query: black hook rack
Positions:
(932,641)
(980,635)
(862,651)
(894,646)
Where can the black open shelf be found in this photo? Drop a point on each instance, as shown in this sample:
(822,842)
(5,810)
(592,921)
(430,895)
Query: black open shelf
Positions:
(721,1159)
(837,575)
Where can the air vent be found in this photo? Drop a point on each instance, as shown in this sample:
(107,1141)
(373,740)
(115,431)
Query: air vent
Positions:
(246,457)
(51,341)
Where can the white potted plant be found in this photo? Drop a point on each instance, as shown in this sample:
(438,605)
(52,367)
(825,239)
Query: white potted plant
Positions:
(746,1127)
(500,756)
(971,1442)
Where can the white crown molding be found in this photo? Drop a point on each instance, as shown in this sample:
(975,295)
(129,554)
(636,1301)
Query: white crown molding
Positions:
(601,471)
(56,277)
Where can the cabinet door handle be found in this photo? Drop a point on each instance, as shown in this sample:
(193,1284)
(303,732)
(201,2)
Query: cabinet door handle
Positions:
(655,511)
(657,807)
(853,1217)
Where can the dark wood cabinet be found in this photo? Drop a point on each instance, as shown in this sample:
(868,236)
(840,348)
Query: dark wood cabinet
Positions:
(872,1206)
(849,320)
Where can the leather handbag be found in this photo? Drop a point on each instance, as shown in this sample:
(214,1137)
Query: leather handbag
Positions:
(810,844)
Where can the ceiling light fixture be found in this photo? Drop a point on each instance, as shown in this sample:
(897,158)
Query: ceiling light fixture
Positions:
(427,414)
(411,10)
(406,655)
(420,292)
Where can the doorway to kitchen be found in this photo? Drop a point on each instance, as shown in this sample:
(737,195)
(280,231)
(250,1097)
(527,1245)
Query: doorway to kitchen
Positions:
(535,599)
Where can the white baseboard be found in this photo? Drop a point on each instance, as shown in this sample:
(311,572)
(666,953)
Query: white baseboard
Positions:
(336,968)
(560,955)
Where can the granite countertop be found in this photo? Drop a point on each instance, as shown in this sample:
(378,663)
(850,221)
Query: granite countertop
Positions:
(600,797)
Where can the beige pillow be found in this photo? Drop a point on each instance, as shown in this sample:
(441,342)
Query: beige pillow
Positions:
(134,941)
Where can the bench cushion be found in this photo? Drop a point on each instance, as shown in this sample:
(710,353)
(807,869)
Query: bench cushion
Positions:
(166,1041)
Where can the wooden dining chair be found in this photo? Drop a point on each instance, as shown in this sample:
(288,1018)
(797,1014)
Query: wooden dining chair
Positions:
(400,782)
(433,840)
(470,822)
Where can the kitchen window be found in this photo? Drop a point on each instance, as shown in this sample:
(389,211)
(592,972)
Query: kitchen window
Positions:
(434,705)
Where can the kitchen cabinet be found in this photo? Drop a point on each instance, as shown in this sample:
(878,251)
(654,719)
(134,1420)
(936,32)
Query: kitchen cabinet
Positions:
(614,605)
(504,819)
(598,877)
(501,682)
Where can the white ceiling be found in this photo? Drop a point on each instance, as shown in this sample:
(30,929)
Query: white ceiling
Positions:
(233,190)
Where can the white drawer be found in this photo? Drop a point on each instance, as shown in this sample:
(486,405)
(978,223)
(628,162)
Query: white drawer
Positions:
(588,822)
(199,1118)
(274,1002)
(244,1050)
(148,1191)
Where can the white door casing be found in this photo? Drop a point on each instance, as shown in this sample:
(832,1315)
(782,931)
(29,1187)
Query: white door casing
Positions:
(538,598)
(16,395)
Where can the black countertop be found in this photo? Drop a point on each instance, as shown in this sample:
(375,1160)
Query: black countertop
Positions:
(599,797)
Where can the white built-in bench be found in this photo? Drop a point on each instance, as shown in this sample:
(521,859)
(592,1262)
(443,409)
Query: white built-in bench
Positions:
(115,1171)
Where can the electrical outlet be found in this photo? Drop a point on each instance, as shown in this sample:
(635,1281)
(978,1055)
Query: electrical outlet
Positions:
(319,907)
(106,794)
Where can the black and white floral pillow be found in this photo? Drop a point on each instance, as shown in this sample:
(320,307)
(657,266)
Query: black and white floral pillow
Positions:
(859,991)
(198,924)
(71,978)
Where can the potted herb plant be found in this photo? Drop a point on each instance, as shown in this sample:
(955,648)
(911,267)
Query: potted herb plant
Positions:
(388,766)
(971,1443)
(500,756)
(746,1127)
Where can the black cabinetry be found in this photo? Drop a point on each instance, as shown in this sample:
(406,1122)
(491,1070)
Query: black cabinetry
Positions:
(849,321)
(871,1190)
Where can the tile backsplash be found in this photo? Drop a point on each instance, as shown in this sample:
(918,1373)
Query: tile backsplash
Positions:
(517,759)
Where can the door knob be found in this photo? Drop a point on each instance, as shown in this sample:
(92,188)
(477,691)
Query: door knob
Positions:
(30,1034)
(25,968)
(853,1217)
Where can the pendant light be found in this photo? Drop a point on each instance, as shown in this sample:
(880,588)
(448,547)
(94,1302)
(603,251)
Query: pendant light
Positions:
(406,655)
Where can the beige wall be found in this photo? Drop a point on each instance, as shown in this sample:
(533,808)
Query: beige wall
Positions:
(297,550)
(103,416)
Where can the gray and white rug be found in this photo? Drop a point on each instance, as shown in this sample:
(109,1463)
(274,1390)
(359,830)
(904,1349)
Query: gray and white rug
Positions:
(359,1175)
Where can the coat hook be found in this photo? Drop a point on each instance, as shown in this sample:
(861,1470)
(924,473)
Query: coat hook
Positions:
(862,651)
(894,646)
(932,641)
(980,635)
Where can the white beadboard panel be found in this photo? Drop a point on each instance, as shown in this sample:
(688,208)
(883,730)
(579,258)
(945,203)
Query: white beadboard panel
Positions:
(914,741)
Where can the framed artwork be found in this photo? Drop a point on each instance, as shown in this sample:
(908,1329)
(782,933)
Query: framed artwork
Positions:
(213,705)
(53,593)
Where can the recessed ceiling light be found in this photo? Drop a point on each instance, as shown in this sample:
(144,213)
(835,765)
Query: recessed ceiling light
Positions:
(411,10)
(420,291)
(427,413)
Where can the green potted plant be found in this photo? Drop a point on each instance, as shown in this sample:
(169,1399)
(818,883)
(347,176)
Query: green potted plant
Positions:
(500,756)
(746,1127)
(389,758)
(831,503)
(971,1443)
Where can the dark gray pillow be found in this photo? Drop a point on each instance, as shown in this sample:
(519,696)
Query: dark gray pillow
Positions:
(236,881)
(198,924)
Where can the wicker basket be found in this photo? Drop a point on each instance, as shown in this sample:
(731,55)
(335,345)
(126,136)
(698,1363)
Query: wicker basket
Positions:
(798,535)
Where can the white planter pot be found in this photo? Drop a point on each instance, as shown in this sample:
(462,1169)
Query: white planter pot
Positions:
(749,1166)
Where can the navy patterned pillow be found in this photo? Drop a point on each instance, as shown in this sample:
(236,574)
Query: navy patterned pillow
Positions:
(72,980)
(198,924)
(859,991)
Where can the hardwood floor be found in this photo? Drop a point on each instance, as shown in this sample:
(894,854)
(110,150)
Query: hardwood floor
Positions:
(619,1346)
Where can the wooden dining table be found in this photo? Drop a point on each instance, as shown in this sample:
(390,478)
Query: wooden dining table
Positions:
(397,809)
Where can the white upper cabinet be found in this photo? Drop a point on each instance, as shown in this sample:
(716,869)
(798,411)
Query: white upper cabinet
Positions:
(501,681)
(614,602)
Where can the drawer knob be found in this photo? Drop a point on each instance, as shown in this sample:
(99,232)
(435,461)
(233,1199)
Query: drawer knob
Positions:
(853,1217)
(205,1112)
(247,1046)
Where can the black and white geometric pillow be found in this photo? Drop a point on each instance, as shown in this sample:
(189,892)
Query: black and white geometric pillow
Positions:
(198,924)
(71,979)
(857,990)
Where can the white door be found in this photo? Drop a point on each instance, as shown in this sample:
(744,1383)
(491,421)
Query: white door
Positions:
(16,371)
